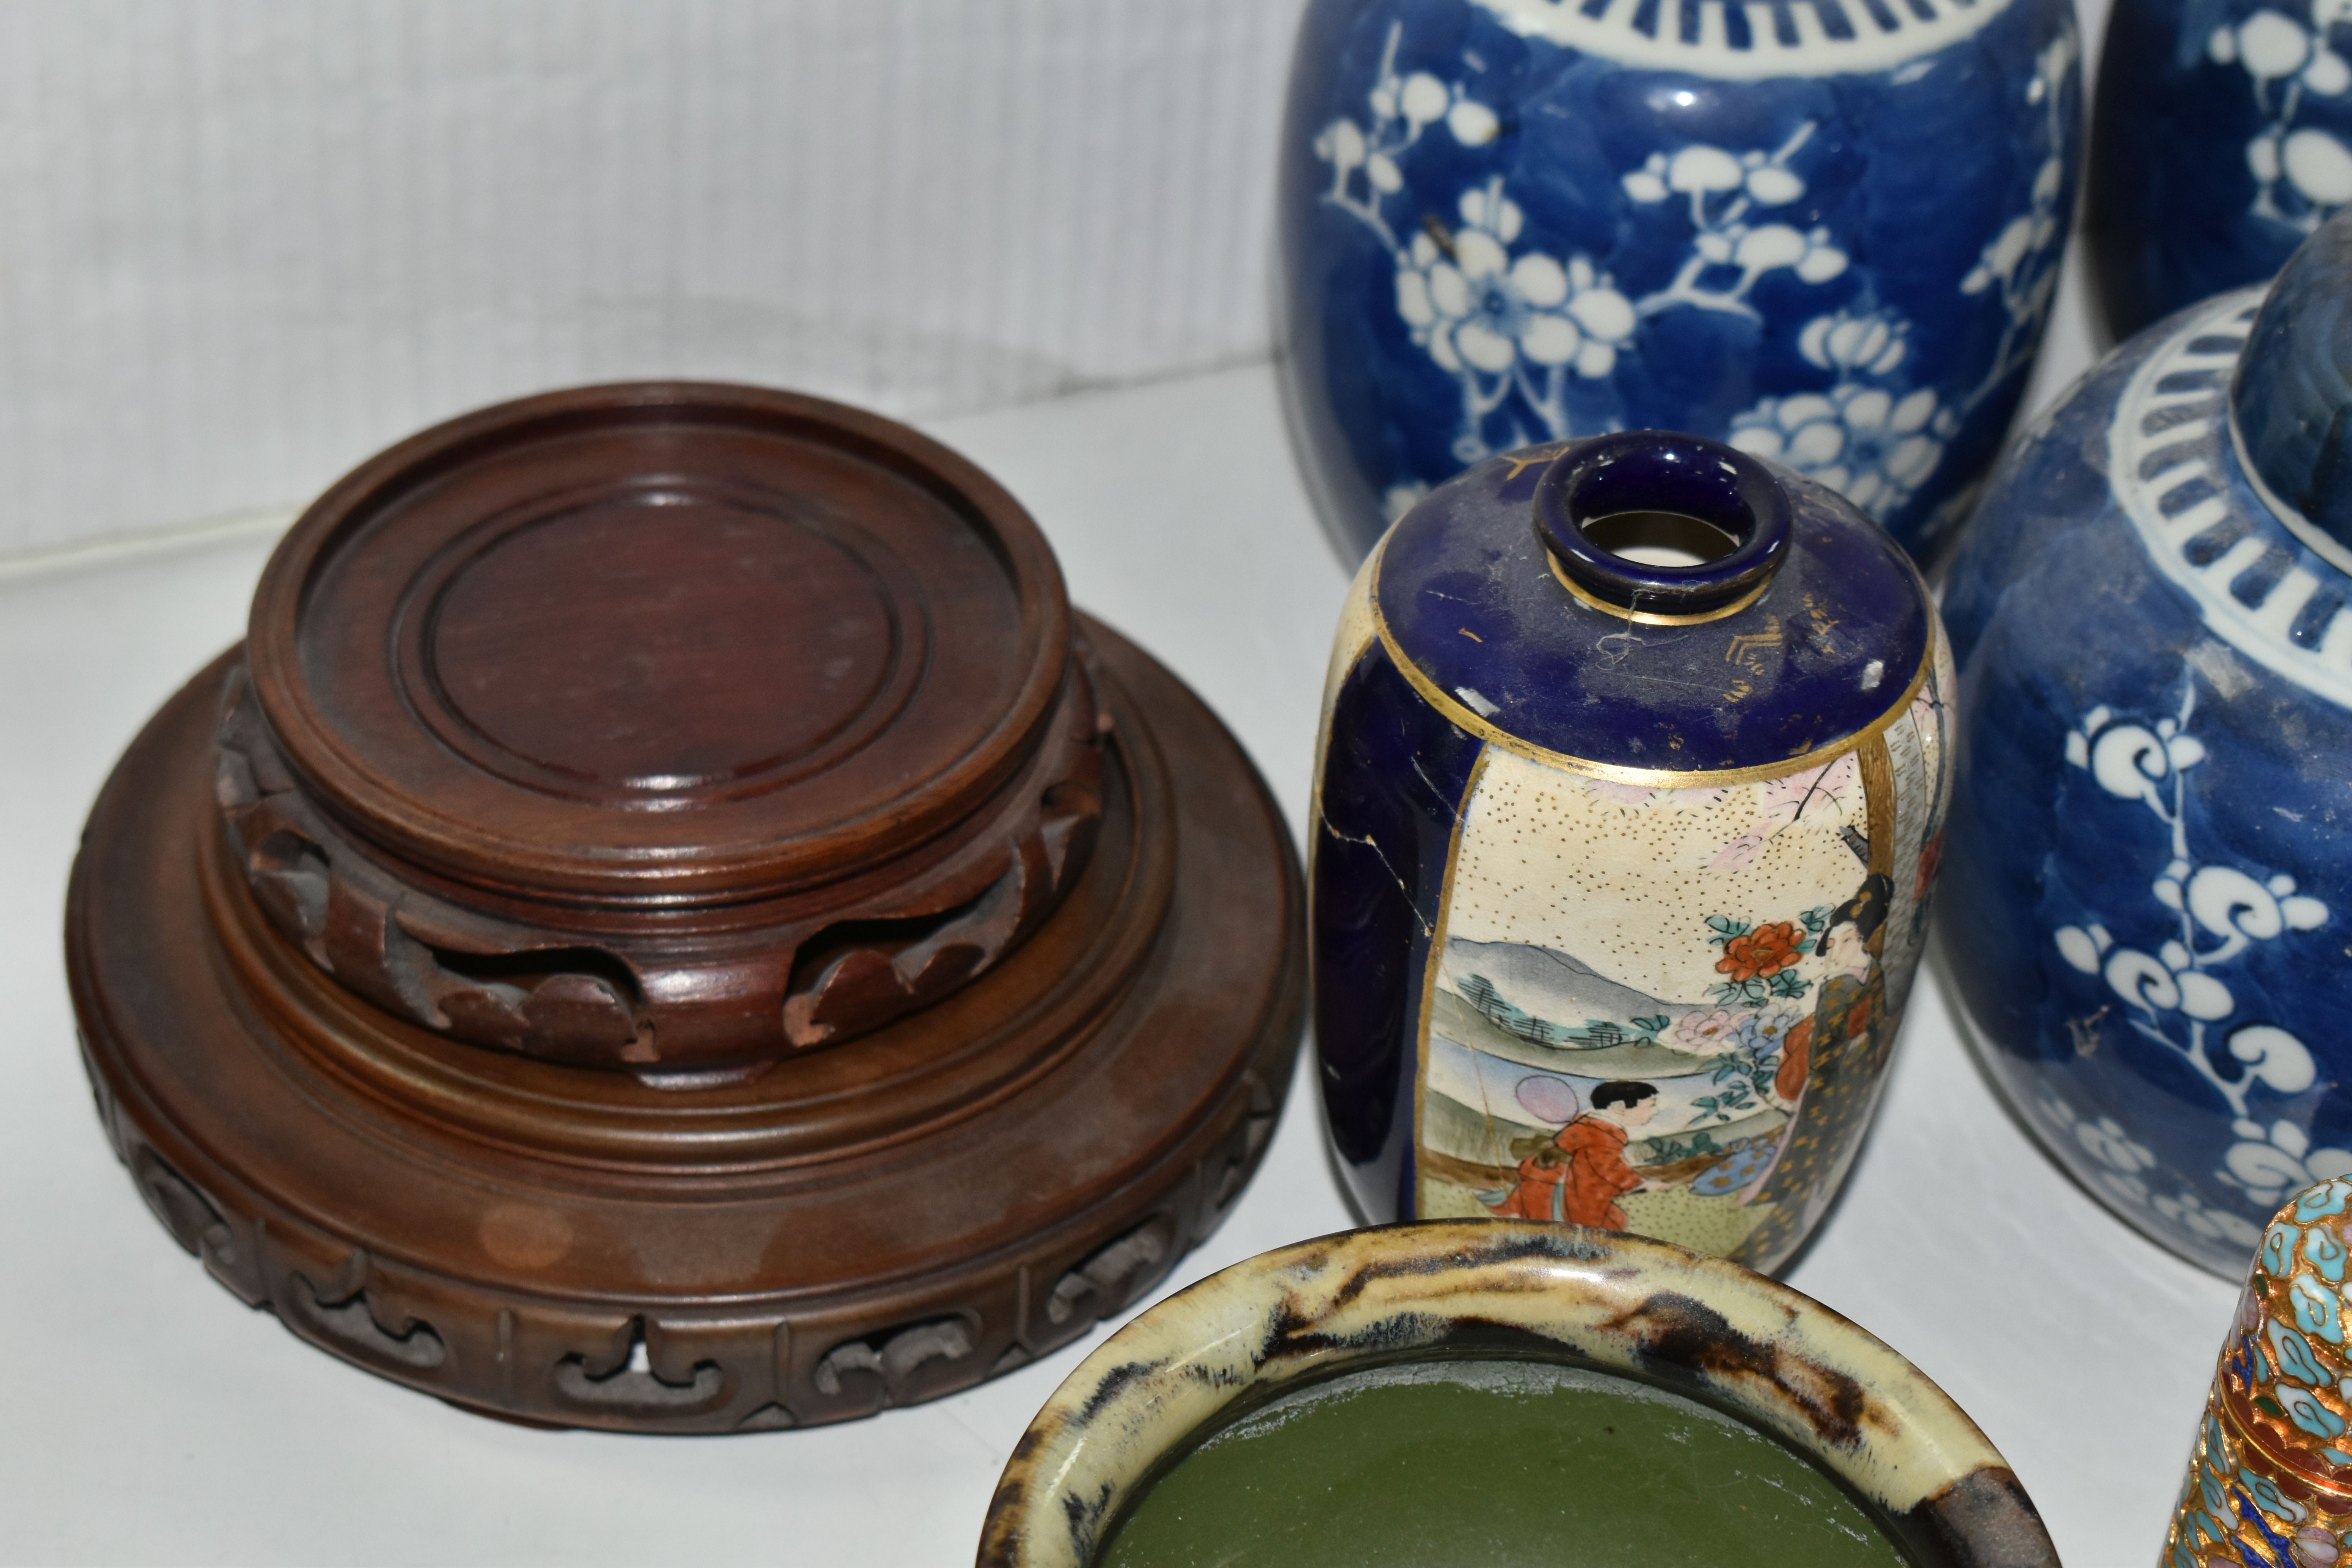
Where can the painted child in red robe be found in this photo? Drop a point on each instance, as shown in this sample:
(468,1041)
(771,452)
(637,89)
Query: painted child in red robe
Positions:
(1579,1174)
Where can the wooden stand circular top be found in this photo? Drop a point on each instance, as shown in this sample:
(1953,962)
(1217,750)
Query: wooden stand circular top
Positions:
(658,643)
(451,964)
(658,727)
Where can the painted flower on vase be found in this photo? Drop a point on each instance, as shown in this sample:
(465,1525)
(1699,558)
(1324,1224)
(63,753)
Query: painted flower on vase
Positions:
(2109,1143)
(2169,989)
(2125,1167)
(2006,261)
(1761,953)
(1707,1034)
(2020,264)
(2190,1212)
(1570,254)
(1471,304)
(1519,330)
(1760,960)
(2303,174)
(1763,1033)
(1721,189)
(1865,437)
(2269,1162)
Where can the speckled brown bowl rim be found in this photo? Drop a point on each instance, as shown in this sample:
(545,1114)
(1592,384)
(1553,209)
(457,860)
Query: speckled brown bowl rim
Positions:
(1713,1331)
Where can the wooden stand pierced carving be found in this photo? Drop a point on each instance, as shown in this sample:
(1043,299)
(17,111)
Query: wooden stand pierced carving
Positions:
(855,1059)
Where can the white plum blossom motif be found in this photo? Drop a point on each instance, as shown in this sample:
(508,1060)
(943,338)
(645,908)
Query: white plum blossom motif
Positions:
(2187,1211)
(2122,1174)
(1722,188)
(2021,260)
(1517,329)
(1402,108)
(1510,329)
(2268,1163)
(2172,995)
(1874,443)
(1472,303)
(1871,435)
(1854,345)
(2107,1142)
(1533,341)
(2285,60)
(2123,1161)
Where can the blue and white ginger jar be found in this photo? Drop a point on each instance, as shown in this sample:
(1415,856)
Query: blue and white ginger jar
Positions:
(1620,871)
(2147,903)
(1826,232)
(2222,139)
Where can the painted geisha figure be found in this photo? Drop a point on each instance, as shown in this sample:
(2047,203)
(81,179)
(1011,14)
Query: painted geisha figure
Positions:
(1824,1079)
(1829,1068)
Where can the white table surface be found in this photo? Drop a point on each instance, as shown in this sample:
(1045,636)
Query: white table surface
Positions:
(150,1417)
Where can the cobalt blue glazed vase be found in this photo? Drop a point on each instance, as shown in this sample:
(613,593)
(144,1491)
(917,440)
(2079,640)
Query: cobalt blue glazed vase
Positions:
(1620,869)
(2222,138)
(2151,866)
(1826,232)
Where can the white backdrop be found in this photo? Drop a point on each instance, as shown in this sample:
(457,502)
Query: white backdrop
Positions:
(248,242)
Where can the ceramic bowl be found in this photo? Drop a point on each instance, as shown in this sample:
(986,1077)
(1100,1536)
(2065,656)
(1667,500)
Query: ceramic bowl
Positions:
(1699,1327)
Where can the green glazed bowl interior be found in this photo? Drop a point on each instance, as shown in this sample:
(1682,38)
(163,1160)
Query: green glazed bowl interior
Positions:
(1700,1327)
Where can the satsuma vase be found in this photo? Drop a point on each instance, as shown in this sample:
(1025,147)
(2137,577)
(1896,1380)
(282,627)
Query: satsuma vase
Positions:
(1621,869)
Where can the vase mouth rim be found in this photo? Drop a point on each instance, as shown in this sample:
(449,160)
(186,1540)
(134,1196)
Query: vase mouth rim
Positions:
(1699,491)
(1820,625)
(1452,1289)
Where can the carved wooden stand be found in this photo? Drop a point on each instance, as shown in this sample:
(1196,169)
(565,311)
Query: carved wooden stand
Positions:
(667,925)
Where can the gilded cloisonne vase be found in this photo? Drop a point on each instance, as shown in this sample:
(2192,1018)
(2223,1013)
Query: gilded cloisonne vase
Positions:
(2149,869)
(1825,231)
(2270,1481)
(1620,871)
(2222,139)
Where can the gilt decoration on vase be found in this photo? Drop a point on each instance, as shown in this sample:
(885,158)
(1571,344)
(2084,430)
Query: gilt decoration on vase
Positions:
(1826,232)
(2270,1482)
